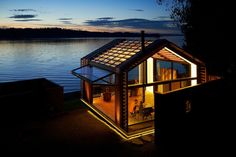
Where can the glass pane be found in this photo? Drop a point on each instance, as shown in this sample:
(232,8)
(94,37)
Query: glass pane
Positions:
(175,85)
(107,80)
(185,83)
(162,88)
(181,70)
(104,99)
(140,107)
(120,52)
(163,70)
(92,73)
(135,97)
(135,75)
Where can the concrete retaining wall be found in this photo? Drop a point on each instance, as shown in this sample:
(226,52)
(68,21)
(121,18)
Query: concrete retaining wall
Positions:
(194,115)
(29,99)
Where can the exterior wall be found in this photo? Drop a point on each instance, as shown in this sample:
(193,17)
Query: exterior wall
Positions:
(190,115)
(84,62)
(118,102)
(201,74)
(28,99)
(124,100)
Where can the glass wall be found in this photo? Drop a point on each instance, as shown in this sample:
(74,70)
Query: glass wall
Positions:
(168,70)
(163,88)
(163,70)
(134,102)
(104,99)
(185,83)
(140,98)
(140,109)
(182,70)
(141,95)
(135,75)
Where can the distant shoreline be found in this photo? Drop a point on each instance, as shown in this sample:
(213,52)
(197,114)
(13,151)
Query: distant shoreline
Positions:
(57,33)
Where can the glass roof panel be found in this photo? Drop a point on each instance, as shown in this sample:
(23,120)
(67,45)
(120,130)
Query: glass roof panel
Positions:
(120,52)
(91,73)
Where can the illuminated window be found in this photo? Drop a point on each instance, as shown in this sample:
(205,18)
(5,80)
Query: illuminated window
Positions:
(104,99)
(163,70)
(135,75)
(181,70)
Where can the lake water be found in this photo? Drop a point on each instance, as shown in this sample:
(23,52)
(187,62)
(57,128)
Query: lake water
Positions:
(50,58)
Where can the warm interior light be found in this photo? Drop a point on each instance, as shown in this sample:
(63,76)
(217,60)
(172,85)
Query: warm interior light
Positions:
(116,129)
(140,69)
(192,65)
(129,137)
(193,74)
(150,74)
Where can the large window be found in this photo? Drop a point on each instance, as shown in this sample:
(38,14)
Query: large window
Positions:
(140,97)
(136,75)
(163,70)
(168,70)
(134,102)
(103,93)
(104,99)
(181,70)
(163,88)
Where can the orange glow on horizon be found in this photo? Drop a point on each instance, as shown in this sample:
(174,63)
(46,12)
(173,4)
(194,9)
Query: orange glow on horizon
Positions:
(75,27)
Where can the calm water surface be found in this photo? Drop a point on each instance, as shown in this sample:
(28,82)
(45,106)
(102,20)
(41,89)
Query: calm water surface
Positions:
(49,58)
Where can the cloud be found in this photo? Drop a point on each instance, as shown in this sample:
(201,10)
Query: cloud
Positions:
(23,10)
(139,10)
(25,18)
(65,19)
(28,20)
(67,22)
(105,18)
(135,23)
(102,21)
(22,16)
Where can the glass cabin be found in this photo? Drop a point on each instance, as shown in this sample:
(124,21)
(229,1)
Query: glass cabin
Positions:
(118,80)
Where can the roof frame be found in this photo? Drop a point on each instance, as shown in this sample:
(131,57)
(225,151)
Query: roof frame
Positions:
(137,58)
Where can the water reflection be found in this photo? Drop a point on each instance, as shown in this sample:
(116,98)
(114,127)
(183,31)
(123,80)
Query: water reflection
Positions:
(50,58)
(53,59)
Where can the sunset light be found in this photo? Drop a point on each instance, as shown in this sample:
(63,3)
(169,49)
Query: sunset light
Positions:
(122,78)
(89,15)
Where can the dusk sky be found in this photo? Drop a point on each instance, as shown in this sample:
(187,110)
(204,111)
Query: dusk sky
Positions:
(90,15)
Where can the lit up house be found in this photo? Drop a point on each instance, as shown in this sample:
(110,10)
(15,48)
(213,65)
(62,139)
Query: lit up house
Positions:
(126,73)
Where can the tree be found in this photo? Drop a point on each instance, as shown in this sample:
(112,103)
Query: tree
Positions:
(208,30)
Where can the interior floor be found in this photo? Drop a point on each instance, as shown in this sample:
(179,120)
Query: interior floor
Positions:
(107,107)
(138,117)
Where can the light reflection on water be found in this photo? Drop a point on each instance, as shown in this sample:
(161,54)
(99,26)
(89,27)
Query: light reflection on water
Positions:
(49,58)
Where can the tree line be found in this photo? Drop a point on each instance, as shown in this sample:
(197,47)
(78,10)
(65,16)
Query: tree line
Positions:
(29,33)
